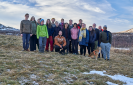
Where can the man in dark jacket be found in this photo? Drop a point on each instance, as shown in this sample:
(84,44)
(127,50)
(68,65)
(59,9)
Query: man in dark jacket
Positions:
(97,36)
(25,31)
(105,40)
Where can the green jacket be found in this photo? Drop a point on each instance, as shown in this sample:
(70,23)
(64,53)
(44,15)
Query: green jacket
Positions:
(42,31)
(34,27)
(103,37)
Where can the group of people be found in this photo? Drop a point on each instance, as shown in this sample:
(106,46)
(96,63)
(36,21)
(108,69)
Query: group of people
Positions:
(64,37)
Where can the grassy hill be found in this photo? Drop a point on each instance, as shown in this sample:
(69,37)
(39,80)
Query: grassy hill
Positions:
(50,68)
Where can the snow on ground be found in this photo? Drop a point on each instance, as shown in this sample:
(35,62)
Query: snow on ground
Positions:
(122,48)
(110,83)
(127,80)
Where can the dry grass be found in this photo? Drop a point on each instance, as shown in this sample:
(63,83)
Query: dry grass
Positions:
(48,68)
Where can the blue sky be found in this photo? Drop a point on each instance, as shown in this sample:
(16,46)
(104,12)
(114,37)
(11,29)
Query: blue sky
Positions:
(116,14)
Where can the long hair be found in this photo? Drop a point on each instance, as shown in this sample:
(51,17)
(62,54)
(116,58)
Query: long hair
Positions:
(34,19)
(49,25)
(76,25)
(92,32)
(67,25)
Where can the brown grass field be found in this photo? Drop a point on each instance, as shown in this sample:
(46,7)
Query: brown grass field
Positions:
(50,68)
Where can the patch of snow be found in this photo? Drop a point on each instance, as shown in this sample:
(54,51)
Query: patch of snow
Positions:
(110,83)
(35,83)
(33,76)
(122,48)
(127,80)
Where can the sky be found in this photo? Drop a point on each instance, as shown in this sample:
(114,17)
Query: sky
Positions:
(116,14)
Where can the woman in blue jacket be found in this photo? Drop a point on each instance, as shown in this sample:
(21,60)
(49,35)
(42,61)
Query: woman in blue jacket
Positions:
(92,37)
(83,39)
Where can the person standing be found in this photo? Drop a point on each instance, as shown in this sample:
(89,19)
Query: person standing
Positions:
(67,35)
(100,30)
(38,21)
(56,29)
(80,23)
(92,37)
(74,39)
(60,43)
(53,22)
(25,31)
(33,38)
(62,25)
(42,35)
(83,39)
(105,40)
(50,33)
(70,27)
(97,35)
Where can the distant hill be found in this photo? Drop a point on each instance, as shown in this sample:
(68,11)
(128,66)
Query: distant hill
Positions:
(9,30)
(127,31)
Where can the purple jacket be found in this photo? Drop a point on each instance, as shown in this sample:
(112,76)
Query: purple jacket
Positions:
(61,25)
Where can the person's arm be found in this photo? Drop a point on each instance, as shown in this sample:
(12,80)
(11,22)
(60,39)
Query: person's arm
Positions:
(87,36)
(110,38)
(37,32)
(98,34)
(56,42)
(69,34)
(78,36)
(46,32)
(64,41)
(94,37)
(21,27)
(100,37)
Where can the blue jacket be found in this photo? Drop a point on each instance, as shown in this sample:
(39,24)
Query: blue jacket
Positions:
(84,41)
(92,37)
(50,31)
(69,33)
(56,31)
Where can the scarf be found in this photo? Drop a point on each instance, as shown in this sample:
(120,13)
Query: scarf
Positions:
(107,34)
(82,33)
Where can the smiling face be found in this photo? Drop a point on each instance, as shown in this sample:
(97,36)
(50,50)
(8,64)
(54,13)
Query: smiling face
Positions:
(70,22)
(60,33)
(62,20)
(53,20)
(90,28)
(33,18)
(94,25)
(42,22)
(66,25)
(83,25)
(80,21)
(26,16)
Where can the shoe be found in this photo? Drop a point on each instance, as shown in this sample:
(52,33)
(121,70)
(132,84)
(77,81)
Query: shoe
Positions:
(27,50)
(102,55)
(107,59)
(60,52)
(23,50)
(52,51)
(104,59)
(63,53)
(99,55)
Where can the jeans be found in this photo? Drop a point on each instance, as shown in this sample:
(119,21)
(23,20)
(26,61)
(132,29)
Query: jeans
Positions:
(105,49)
(90,47)
(26,38)
(42,43)
(75,46)
(82,47)
(49,41)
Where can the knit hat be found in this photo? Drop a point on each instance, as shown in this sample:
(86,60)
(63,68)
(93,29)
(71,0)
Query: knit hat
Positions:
(105,26)
(41,20)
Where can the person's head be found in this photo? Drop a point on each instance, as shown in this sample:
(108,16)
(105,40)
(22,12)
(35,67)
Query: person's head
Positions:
(32,19)
(105,27)
(66,25)
(60,33)
(26,16)
(100,27)
(80,21)
(94,25)
(56,23)
(70,22)
(83,25)
(62,20)
(53,20)
(42,21)
(39,20)
(75,25)
(48,23)
(90,28)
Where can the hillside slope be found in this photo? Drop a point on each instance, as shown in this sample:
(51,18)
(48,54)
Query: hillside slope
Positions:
(27,68)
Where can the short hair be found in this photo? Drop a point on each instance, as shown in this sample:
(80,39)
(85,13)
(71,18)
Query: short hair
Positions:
(90,26)
(76,25)
(26,14)
(80,19)
(70,20)
(39,18)
(53,18)
(56,21)
(62,19)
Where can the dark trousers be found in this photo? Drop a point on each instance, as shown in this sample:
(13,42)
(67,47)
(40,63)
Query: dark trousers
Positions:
(26,38)
(37,42)
(33,40)
(75,46)
(57,48)
(82,49)
(67,45)
(90,47)
(70,46)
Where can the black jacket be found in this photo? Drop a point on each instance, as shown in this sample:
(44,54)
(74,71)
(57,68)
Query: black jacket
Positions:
(97,34)
(68,31)
(56,31)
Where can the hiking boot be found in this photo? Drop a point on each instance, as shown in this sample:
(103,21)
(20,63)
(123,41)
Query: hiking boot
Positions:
(107,59)
(27,50)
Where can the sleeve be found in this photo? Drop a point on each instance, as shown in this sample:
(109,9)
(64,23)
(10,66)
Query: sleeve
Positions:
(21,27)
(64,40)
(56,42)
(37,32)
(30,28)
(98,34)
(87,36)
(94,37)
(100,37)
(46,32)
(69,34)
(110,38)
(78,36)
(52,30)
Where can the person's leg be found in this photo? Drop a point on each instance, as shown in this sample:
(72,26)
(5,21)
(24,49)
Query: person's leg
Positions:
(76,46)
(31,43)
(108,46)
(35,39)
(24,40)
(51,43)
(47,45)
(73,45)
(40,44)
(84,50)
(67,45)
(89,45)
(37,42)
(96,44)
(27,41)
(81,49)
(103,49)
(70,46)
(57,48)
(45,40)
